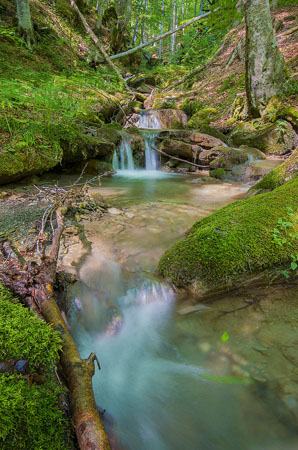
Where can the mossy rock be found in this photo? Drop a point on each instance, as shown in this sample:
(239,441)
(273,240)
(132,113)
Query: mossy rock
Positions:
(95,167)
(22,161)
(176,148)
(212,131)
(280,175)
(221,249)
(203,117)
(229,157)
(219,174)
(100,143)
(275,139)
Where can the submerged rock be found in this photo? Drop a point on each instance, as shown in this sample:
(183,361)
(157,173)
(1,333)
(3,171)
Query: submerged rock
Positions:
(222,249)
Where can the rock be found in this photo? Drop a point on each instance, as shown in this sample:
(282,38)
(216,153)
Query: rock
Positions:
(183,167)
(95,167)
(176,148)
(99,142)
(138,146)
(172,118)
(191,137)
(129,215)
(143,79)
(227,157)
(114,211)
(220,250)
(270,138)
(203,117)
(27,161)
(283,173)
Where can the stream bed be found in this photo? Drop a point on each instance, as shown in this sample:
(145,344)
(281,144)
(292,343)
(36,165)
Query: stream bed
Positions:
(177,374)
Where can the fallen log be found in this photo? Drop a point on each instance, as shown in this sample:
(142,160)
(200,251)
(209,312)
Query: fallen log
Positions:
(162,36)
(35,285)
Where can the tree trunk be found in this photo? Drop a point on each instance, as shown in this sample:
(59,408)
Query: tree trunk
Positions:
(265,66)
(161,27)
(24,22)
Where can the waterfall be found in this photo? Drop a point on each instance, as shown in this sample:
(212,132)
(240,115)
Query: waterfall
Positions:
(149,120)
(123,159)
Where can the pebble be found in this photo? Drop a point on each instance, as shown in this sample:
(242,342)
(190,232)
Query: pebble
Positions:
(130,215)
(114,211)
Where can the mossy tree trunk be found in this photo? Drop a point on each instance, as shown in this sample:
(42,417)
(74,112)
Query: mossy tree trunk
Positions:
(25,22)
(265,66)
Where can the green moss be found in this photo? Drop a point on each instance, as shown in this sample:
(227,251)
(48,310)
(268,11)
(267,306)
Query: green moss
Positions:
(190,107)
(220,174)
(226,244)
(30,415)
(203,117)
(228,83)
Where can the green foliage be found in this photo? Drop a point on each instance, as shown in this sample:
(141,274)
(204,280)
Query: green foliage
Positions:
(228,83)
(10,33)
(225,337)
(191,107)
(283,236)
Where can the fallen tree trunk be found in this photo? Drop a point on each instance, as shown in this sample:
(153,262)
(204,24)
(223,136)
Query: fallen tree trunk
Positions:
(162,36)
(96,42)
(35,284)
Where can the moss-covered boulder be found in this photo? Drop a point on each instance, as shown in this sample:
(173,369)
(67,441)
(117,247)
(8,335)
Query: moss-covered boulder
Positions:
(281,175)
(172,118)
(137,143)
(94,167)
(220,250)
(227,157)
(275,139)
(176,148)
(203,117)
(90,143)
(22,160)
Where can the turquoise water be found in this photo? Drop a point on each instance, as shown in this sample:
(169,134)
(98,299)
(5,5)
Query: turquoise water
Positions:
(167,381)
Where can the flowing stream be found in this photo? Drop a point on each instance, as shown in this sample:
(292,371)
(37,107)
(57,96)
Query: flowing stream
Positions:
(168,382)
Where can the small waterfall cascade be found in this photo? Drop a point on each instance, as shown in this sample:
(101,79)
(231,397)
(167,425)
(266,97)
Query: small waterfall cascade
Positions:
(149,120)
(123,158)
